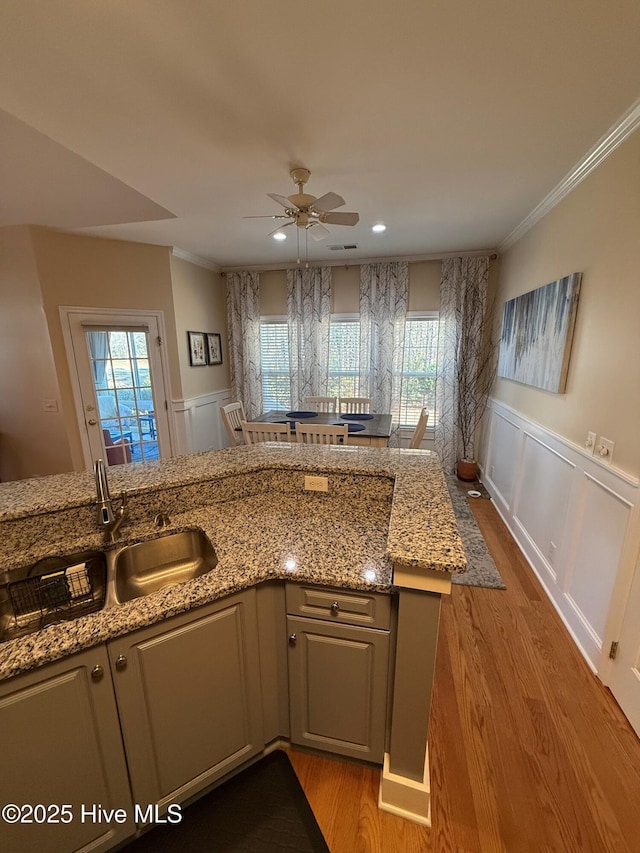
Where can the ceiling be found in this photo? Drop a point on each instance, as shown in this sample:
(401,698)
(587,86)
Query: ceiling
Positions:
(168,121)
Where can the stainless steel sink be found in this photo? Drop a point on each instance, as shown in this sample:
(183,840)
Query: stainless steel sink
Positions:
(147,567)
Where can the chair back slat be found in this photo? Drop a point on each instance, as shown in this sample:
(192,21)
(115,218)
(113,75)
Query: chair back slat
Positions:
(321,404)
(322,433)
(232,416)
(355,405)
(418,434)
(255,432)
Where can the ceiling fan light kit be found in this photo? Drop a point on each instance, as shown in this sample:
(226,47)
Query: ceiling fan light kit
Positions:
(306,211)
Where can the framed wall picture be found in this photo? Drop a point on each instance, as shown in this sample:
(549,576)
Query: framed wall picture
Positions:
(197,350)
(214,348)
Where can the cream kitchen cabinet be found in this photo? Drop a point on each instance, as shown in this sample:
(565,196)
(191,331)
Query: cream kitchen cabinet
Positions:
(63,763)
(338,669)
(188,694)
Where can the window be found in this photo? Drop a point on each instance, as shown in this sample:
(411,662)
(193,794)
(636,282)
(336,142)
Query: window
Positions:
(418,369)
(344,357)
(274,353)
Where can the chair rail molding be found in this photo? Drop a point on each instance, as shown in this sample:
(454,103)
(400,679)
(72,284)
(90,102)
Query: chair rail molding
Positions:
(575,519)
(198,423)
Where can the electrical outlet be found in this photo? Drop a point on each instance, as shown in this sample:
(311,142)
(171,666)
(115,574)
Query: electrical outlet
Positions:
(551,552)
(316,484)
(604,449)
(590,442)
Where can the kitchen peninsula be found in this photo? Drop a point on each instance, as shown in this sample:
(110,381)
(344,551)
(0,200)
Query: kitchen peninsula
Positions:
(372,555)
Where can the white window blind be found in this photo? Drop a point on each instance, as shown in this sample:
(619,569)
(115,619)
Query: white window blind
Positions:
(344,357)
(274,350)
(418,370)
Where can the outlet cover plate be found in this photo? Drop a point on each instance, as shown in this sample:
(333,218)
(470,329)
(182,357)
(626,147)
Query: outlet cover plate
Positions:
(316,484)
(608,445)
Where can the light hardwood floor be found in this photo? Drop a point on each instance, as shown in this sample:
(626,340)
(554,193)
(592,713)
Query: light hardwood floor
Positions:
(529,752)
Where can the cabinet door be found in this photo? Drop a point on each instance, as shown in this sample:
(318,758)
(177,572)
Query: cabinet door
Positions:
(338,687)
(188,692)
(61,746)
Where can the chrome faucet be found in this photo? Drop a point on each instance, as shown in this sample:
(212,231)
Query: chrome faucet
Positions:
(108,517)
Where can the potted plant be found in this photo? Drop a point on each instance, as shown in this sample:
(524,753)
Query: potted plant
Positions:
(476,365)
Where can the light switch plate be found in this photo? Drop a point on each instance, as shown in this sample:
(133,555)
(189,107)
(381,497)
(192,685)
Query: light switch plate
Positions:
(590,442)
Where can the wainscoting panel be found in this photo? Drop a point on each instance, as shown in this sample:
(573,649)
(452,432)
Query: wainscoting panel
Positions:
(506,435)
(539,512)
(572,516)
(600,525)
(198,423)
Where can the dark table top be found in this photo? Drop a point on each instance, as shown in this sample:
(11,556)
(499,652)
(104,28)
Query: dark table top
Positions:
(378,426)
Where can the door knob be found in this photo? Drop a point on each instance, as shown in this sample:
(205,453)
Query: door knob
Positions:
(293,640)
(121,662)
(97,672)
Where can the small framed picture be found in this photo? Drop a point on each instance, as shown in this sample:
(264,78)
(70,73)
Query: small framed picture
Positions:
(197,351)
(214,348)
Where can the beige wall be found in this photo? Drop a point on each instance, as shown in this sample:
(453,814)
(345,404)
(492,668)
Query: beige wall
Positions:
(424,289)
(89,272)
(200,305)
(594,230)
(33,442)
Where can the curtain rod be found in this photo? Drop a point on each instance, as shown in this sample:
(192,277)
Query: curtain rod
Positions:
(492,254)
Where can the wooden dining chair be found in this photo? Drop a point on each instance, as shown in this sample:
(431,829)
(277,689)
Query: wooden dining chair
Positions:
(322,433)
(321,404)
(232,417)
(355,405)
(418,433)
(255,432)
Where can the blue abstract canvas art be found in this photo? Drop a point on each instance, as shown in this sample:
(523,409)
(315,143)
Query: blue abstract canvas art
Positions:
(537,330)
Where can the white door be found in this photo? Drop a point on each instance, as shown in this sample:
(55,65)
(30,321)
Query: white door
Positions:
(119,381)
(624,676)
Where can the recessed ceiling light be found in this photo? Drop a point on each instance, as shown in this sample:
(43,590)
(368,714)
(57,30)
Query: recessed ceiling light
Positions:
(379,228)
(279,235)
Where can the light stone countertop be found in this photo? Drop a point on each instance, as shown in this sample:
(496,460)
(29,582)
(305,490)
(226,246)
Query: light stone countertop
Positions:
(384,506)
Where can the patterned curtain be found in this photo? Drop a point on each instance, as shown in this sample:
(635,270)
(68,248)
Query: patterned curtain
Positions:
(309,314)
(383,312)
(463,299)
(243,315)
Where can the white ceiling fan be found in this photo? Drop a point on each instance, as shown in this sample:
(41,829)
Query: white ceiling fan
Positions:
(308,212)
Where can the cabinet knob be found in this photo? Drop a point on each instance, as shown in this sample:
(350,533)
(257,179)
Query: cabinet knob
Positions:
(293,640)
(121,662)
(335,608)
(97,672)
(92,422)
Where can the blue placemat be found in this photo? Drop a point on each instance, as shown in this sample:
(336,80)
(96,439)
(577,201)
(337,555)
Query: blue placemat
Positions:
(352,427)
(356,416)
(292,424)
(301,414)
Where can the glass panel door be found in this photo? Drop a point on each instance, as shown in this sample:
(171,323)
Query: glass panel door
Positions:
(122,381)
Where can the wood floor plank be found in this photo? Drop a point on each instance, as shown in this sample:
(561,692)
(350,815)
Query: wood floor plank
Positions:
(529,752)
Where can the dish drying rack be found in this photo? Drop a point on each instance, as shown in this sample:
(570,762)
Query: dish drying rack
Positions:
(54,590)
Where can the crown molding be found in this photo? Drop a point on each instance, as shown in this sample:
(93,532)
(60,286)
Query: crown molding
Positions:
(605,146)
(194,259)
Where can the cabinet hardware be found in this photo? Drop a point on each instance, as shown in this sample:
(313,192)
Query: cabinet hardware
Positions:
(335,608)
(293,640)
(97,672)
(92,421)
(121,662)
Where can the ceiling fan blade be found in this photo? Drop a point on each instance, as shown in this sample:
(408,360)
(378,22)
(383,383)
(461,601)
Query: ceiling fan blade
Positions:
(268,216)
(341,218)
(280,227)
(328,201)
(281,199)
(318,231)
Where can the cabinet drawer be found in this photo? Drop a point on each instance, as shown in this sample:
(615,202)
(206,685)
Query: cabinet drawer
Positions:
(351,607)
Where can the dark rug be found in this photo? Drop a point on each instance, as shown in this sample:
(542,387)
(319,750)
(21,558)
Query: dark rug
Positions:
(481,570)
(261,809)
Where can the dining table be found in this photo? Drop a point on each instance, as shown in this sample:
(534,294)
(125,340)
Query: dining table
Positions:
(365,429)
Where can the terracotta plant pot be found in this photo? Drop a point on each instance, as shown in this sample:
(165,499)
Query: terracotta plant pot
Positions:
(467,469)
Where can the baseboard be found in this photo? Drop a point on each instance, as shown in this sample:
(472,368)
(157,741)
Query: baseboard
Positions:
(405,797)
